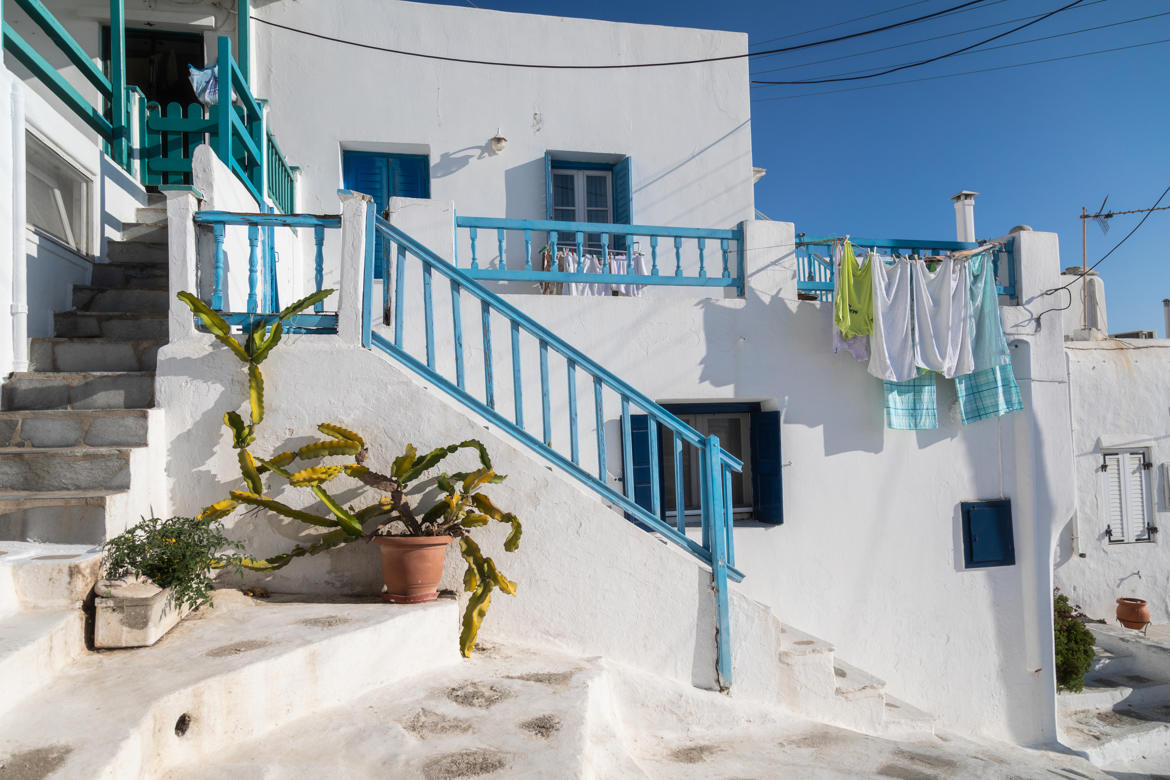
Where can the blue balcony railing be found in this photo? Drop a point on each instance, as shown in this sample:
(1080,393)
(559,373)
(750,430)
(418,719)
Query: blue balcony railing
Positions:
(263,293)
(550,252)
(815,273)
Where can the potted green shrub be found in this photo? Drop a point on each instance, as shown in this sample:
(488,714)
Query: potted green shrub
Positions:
(155,572)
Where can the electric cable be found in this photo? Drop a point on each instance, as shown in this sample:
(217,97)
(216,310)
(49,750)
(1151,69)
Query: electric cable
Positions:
(697,61)
(841,24)
(1045,37)
(915,43)
(961,73)
(927,61)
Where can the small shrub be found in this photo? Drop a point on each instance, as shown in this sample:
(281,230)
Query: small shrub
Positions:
(177,553)
(1074,646)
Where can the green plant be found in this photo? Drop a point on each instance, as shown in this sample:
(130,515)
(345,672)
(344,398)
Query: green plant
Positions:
(177,553)
(398,511)
(1074,646)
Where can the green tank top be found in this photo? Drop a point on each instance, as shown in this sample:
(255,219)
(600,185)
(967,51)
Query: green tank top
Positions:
(853,306)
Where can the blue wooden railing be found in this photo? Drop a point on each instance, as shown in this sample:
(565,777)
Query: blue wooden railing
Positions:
(413,272)
(282,184)
(110,125)
(263,293)
(691,257)
(814,264)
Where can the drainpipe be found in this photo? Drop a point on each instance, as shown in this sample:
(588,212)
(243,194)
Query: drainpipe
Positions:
(19,243)
(964,215)
(1166,315)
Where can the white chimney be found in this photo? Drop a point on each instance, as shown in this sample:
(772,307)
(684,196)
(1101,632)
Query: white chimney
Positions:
(1166,315)
(964,215)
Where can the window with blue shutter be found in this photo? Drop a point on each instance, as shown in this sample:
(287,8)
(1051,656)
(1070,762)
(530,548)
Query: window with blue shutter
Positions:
(744,430)
(589,192)
(385,176)
(987,534)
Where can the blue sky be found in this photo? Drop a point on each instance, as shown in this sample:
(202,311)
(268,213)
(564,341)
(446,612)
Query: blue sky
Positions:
(1036,142)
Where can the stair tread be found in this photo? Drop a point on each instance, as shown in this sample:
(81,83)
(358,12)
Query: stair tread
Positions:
(63,450)
(23,413)
(18,629)
(96,340)
(127,314)
(850,679)
(103,288)
(794,642)
(57,374)
(57,495)
(896,709)
(1090,728)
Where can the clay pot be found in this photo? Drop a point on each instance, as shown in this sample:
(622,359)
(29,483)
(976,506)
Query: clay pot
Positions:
(412,567)
(1133,613)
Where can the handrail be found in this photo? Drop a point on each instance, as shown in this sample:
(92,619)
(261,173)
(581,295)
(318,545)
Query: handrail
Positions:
(716,465)
(612,240)
(57,33)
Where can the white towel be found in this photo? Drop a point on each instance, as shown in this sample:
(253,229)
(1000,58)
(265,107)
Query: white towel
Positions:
(942,329)
(891,350)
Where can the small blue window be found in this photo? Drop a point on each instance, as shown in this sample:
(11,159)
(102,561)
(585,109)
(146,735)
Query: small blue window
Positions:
(987,534)
(382,177)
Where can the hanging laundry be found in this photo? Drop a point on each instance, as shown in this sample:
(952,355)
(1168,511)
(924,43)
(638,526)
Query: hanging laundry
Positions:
(912,405)
(891,348)
(620,264)
(856,346)
(942,328)
(991,390)
(853,296)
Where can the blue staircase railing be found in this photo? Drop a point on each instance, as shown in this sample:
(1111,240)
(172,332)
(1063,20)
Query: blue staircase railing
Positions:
(562,439)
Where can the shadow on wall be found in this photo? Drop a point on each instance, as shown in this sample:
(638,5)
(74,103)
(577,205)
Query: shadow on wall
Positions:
(111,177)
(453,162)
(750,350)
(524,191)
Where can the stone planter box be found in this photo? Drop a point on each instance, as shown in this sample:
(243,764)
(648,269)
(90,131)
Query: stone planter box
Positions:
(132,613)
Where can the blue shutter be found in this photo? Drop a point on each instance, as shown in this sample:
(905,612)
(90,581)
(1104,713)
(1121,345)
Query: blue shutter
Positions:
(640,454)
(767,488)
(369,174)
(987,534)
(548,196)
(410,176)
(623,197)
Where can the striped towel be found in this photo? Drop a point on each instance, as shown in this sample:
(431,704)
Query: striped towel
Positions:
(987,393)
(912,405)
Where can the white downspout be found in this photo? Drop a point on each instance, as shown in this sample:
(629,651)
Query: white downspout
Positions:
(19,231)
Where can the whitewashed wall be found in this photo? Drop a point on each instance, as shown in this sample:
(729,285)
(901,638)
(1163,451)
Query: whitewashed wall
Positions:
(1118,392)
(687,128)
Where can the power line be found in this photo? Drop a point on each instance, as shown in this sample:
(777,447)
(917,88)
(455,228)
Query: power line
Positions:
(841,24)
(697,61)
(962,73)
(1045,37)
(1105,257)
(915,43)
(1111,214)
(927,61)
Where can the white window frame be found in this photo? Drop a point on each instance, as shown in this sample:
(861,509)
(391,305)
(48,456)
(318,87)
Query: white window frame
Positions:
(77,231)
(1123,471)
(579,200)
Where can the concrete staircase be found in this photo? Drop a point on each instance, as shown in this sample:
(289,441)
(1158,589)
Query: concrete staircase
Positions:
(1123,714)
(75,428)
(819,685)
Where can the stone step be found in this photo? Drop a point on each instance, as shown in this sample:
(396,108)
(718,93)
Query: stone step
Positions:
(137,252)
(82,517)
(153,231)
(34,647)
(121,299)
(853,682)
(110,325)
(1107,688)
(64,468)
(1118,661)
(795,644)
(153,212)
(74,428)
(223,677)
(57,354)
(48,576)
(79,390)
(905,721)
(129,275)
(1116,737)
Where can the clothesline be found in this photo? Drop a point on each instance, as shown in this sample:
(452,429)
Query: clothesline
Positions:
(962,254)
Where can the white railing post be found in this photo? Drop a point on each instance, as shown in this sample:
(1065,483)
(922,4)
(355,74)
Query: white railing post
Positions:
(19,241)
(351,295)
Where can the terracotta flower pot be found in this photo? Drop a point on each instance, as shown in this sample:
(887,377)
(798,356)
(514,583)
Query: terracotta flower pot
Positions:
(412,567)
(1133,613)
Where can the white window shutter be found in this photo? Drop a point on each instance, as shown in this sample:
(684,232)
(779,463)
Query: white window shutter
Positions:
(1113,495)
(1135,497)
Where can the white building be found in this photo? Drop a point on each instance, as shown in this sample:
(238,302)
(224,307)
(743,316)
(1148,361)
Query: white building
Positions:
(843,528)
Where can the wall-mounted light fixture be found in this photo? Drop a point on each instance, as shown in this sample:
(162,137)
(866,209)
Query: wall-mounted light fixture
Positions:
(498,142)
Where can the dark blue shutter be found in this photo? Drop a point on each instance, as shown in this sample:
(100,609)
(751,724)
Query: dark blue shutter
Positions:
(369,174)
(548,196)
(623,197)
(767,488)
(410,176)
(640,457)
(987,534)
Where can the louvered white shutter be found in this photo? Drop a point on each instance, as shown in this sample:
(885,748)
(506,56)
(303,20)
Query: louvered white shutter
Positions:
(1112,493)
(1135,497)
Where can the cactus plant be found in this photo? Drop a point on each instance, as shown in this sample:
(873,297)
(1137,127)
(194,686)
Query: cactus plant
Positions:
(461,506)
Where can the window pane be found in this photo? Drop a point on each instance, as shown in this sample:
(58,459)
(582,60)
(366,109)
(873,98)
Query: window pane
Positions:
(731,431)
(57,195)
(597,215)
(564,215)
(564,195)
(597,192)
